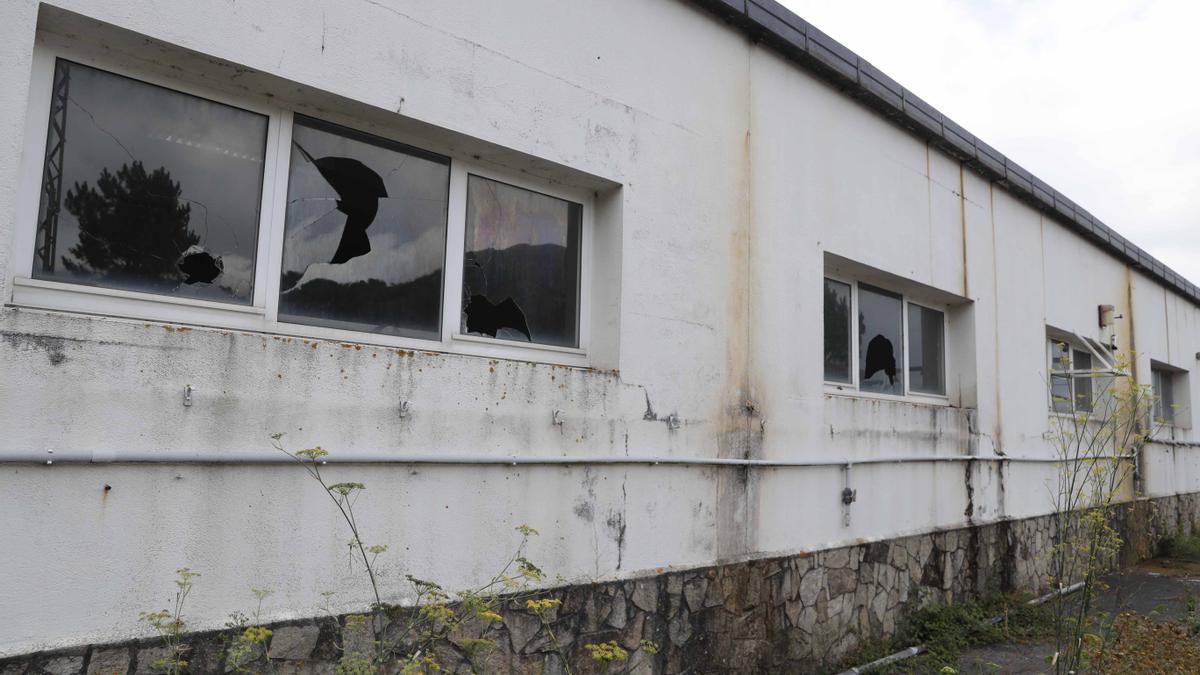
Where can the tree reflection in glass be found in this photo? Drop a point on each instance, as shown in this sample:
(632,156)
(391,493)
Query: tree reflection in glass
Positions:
(149,189)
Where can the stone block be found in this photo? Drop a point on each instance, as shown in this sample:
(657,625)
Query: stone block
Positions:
(150,659)
(645,594)
(841,581)
(294,643)
(810,586)
(63,665)
(617,612)
(693,593)
(109,662)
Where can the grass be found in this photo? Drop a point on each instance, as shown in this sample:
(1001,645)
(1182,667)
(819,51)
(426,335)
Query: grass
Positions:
(948,630)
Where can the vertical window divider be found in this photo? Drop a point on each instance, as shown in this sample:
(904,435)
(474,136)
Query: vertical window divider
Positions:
(276,210)
(854,337)
(456,219)
(904,350)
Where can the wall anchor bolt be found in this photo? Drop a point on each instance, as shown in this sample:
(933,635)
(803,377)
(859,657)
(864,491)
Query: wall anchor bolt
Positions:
(403,410)
(187,395)
(556,418)
(673,422)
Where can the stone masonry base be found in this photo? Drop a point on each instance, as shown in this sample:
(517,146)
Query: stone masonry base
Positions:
(799,613)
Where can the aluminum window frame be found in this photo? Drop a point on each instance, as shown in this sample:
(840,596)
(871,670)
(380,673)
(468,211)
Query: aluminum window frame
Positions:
(1094,375)
(853,388)
(262,314)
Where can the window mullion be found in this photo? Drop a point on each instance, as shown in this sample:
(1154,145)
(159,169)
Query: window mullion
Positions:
(456,215)
(277,210)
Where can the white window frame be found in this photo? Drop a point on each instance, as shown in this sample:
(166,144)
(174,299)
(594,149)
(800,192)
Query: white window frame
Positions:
(1179,383)
(852,387)
(262,314)
(1094,373)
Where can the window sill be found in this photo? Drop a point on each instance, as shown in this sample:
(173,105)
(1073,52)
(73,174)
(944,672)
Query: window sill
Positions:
(59,297)
(846,391)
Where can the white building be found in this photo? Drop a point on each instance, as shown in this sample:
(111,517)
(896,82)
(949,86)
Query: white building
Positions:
(220,220)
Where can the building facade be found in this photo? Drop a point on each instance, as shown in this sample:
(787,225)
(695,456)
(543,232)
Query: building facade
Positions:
(508,269)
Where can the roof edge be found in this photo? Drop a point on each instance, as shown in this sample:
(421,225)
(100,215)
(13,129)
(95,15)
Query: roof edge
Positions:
(771,23)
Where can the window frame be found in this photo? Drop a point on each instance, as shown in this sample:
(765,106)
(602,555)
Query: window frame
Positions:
(1095,380)
(1179,383)
(853,388)
(262,314)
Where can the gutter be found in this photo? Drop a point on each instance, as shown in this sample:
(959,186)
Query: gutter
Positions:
(771,23)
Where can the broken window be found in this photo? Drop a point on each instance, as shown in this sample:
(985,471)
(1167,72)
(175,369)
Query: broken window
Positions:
(880,342)
(926,350)
(837,331)
(521,265)
(1070,378)
(365,233)
(148,189)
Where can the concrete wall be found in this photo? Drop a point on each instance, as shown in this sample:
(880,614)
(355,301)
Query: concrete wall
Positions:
(726,180)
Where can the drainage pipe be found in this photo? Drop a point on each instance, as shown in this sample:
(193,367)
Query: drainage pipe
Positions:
(886,661)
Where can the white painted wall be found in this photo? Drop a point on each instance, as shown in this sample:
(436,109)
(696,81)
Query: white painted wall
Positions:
(726,176)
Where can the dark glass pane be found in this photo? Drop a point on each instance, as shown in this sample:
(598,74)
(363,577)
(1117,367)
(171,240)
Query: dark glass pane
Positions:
(1060,385)
(880,346)
(1083,384)
(837,331)
(926,356)
(521,268)
(365,236)
(148,189)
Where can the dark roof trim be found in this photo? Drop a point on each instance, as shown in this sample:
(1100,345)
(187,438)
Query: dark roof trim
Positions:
(771,23)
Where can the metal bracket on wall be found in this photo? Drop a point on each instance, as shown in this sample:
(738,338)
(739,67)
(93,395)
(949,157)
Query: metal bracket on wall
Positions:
(187,395)
(673,422)
(556,418)
(403,409)
(848,496)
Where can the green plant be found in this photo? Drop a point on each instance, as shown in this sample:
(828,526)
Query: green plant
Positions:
(948,630)
(407,637)
(1183,547)
(168,623)
(1096,446)
(250,642)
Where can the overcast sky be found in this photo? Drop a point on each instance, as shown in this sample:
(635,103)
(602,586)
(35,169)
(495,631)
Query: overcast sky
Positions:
(1098,98)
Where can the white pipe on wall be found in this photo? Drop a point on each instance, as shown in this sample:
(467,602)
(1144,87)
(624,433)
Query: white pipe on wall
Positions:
(176,457)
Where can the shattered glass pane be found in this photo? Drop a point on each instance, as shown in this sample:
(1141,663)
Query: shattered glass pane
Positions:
(926,351)
(365,235)
(880,346)
(837,331)
(521,267)
(148,189)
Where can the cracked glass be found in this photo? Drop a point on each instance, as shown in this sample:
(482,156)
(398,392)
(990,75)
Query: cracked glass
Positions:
(365,233)
(149,189)
(880,345)
(521,265)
